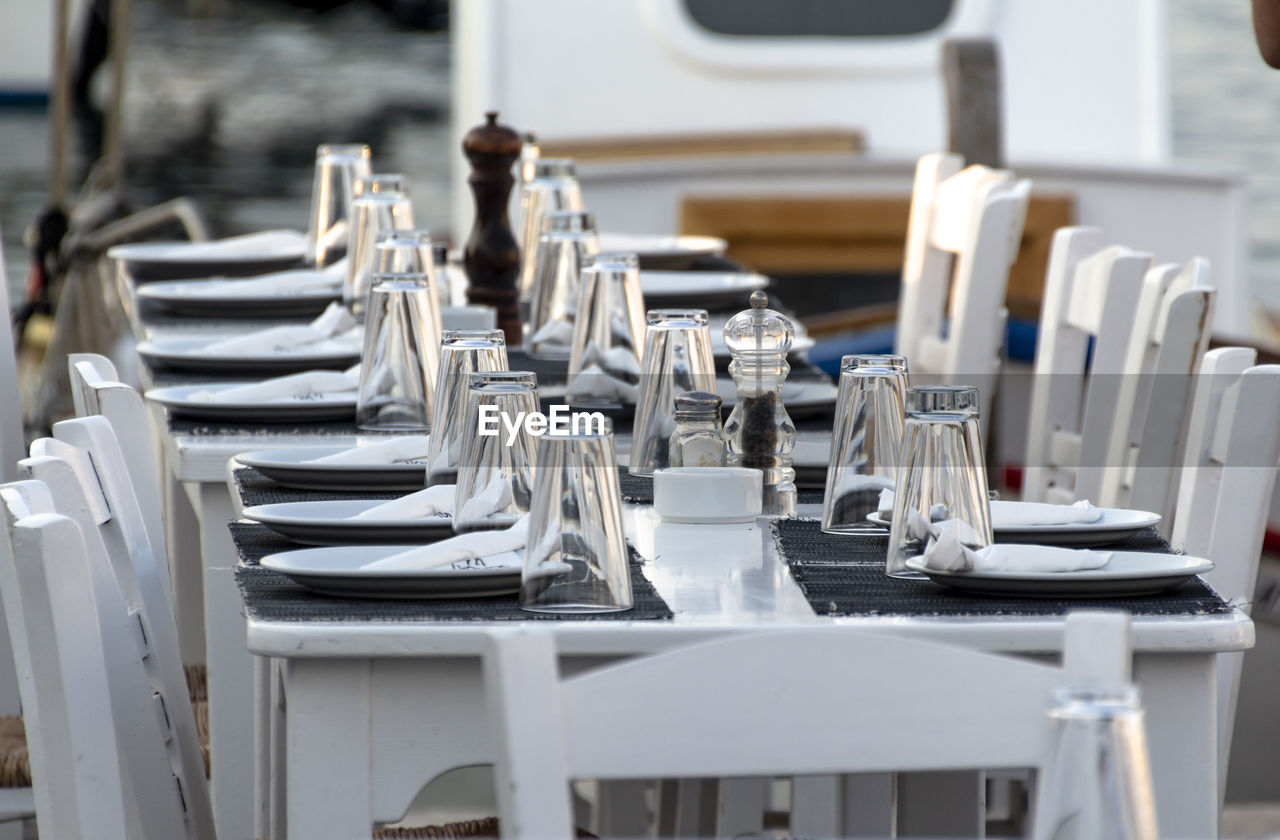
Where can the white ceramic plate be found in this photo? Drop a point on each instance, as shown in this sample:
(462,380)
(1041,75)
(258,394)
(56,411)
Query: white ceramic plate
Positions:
(1113,526)
(699,288)
(290,467)
(1126,573)
(223,298)
(330,523)
(658,251)
(802,399)
(339,571)
(319,407)
(189,354)
(237,256)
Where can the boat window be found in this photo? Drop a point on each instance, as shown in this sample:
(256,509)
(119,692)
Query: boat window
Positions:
(820,18)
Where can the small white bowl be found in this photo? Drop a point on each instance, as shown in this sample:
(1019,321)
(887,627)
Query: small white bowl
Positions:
(707,494)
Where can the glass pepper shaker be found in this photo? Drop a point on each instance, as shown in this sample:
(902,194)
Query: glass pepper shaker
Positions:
(759,432)
(698,440)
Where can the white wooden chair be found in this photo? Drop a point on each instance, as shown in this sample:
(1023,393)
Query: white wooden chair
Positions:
(1091,295)
(96,389)
(963,235)
(703,710)
(106,774)
(85,472)
(1174,319)
(1233,446)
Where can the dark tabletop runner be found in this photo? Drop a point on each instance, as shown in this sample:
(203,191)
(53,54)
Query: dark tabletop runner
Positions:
(843,575)
(270,596)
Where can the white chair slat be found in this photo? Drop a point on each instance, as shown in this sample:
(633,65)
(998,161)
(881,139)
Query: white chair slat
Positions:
(143,577)
(1091,293)
(96,389)
(703,710)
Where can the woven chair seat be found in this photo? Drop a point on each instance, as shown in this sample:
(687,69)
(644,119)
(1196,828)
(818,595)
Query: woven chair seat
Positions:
(15,761)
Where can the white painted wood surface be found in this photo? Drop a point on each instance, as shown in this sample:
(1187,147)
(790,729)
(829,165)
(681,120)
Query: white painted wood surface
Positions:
(96,389)
(1144,455)
(893,704)
(963,236)
(84,470)
(1233,444)
(720,581)
(1091,294)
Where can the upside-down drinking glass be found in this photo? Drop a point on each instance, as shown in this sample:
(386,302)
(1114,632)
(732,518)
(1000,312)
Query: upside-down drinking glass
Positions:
(576,558)
(604,361)
(552,185)
(410,253)
(865,440)
(396,388)
(1096,783)
(941,487)
(339,167)
(381,204)
(462,353)
(568,238)
(496,473)
(677,358)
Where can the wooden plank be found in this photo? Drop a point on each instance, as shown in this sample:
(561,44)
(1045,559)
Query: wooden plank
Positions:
(858,235)
(813,141)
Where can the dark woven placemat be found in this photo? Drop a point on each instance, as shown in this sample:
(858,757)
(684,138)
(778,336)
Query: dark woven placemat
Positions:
(638,489)
(270,596)
(256,489)
(843,575)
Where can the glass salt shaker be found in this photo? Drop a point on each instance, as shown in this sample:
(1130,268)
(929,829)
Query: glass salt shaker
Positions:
(759,432)
(698,440)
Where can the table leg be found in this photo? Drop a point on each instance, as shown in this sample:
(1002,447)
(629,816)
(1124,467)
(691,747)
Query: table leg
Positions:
(1180,695)
(231,669)
(329,720)
(262,708)
(185,568)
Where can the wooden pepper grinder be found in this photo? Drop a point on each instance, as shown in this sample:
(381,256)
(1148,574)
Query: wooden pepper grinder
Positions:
(492,257)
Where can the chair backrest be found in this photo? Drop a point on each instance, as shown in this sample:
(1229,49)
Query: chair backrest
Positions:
(1091,297)
(84,470)
(42,689)
(12,443)
(962,237)
(1173,323)
(1229,472)
(96,389)
(85,647)
(744,706)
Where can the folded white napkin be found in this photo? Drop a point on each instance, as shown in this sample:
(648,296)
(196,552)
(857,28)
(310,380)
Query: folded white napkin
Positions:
(267,243)
(280,282)
(397,450)
(457,549)
(331,323)
(1009,514)
(948,553)
(435,499)
(299,386)
(1006,514)
(595,383)
(555,332)
(884,509)
(494,497)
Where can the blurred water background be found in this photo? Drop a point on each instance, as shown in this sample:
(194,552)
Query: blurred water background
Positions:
(228,109)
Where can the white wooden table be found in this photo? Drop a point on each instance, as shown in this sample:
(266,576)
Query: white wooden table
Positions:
(377,709)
